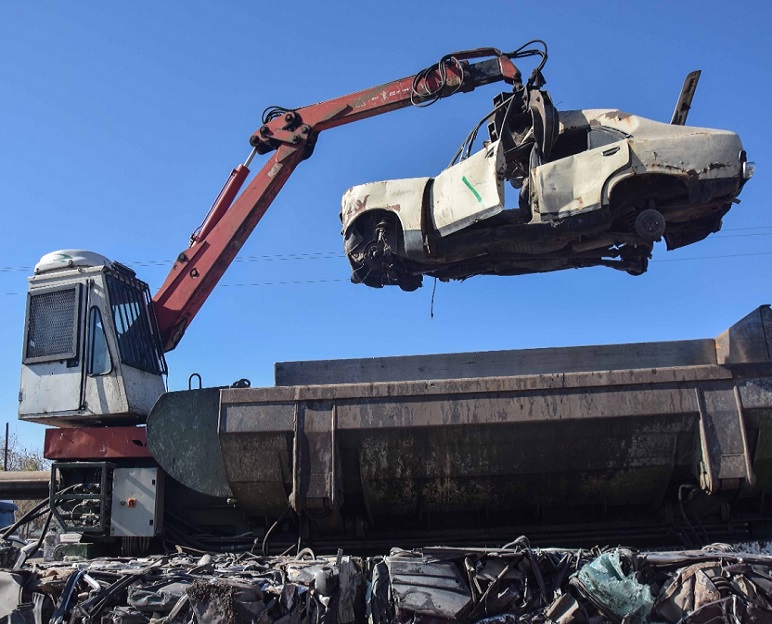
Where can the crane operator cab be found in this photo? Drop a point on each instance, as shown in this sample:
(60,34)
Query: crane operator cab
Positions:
(92,353)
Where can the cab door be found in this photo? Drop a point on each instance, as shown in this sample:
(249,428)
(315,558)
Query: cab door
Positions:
(52,358)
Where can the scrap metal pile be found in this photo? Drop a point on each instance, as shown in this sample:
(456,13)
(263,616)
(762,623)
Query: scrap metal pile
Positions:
(514,584)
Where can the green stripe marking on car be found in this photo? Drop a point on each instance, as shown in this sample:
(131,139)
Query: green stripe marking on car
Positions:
(471,188)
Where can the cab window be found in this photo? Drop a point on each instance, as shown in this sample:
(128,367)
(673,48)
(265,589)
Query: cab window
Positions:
(138,345)
(98,356)
(52,325)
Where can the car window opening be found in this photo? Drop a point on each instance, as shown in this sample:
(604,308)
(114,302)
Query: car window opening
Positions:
(575,142)
(570,143)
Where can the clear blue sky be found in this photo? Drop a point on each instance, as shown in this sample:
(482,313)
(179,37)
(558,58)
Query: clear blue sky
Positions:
(120,121)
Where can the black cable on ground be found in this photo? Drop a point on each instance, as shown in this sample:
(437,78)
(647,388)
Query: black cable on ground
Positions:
(264,545)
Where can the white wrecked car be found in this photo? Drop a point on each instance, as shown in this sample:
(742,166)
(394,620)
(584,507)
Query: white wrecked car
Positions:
(597,188)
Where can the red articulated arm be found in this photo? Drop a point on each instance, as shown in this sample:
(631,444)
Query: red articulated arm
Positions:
(291,135)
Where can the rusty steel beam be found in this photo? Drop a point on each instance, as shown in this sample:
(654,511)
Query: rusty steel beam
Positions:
(88,443)
(24,484)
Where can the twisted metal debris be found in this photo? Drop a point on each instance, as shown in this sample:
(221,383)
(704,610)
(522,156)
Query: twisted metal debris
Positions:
(509,585)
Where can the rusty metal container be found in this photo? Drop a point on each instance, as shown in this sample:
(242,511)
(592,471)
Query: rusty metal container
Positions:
(519,435)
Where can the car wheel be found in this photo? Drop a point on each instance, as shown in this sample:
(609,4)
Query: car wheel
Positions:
(650,225)
(372,249)
(409,282)
(638,268)
(635,258)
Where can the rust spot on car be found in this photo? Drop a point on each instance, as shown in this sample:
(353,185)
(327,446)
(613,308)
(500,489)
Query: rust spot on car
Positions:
(360,205)
(617,114)
(353,208)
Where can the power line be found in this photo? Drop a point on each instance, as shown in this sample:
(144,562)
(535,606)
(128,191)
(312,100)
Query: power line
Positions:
(741,235)
(324,255)
(340,280)
(742,255)
(243,284)
(285,283)
(755,227)
(318,255)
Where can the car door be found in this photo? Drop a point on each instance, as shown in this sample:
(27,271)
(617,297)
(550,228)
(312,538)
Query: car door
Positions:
(574,183)
(470,191)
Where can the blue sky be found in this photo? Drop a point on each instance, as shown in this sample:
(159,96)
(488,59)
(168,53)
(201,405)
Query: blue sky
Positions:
(120,121)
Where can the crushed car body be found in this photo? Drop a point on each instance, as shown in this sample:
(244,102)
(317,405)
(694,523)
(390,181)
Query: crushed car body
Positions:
(507,585)
(597,188)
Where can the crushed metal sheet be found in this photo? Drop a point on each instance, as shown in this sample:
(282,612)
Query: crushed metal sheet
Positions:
(512,585)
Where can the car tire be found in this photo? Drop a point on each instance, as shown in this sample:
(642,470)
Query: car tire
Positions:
(650,225)
(408,282)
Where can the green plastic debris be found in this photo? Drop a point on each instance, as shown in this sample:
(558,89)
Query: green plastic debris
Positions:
(616,594)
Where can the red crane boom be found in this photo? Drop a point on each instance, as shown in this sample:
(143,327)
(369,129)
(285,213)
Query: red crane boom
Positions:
(290,135)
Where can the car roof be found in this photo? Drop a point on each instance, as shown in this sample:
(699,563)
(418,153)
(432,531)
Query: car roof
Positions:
(608,117)
(626,123)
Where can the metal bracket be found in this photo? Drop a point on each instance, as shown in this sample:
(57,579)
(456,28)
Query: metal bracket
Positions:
(726,462)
